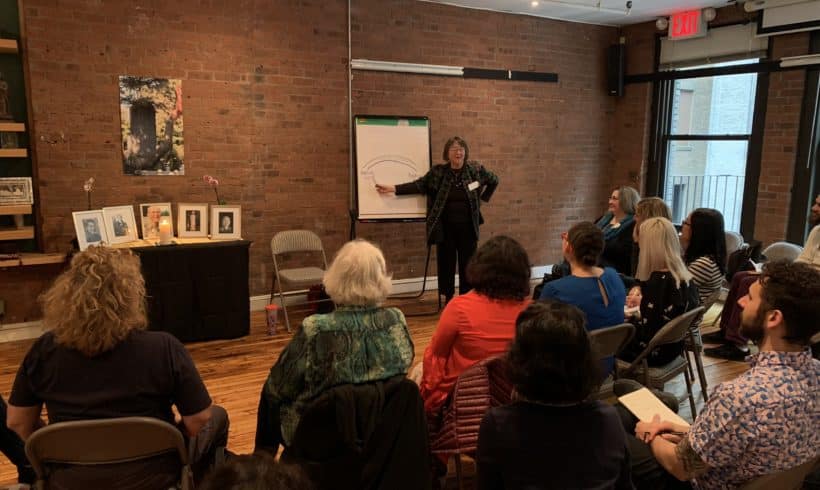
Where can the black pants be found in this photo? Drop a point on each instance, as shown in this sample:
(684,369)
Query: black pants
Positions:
(647,473)
(13,447)
(459,245)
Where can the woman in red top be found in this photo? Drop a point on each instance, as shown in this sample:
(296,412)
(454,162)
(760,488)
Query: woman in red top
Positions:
(479,324)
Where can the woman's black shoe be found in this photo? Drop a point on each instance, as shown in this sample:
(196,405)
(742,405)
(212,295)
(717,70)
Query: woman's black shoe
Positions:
(730,352)
(716,337)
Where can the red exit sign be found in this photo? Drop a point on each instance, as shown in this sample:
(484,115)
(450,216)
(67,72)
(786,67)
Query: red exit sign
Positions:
(685,25)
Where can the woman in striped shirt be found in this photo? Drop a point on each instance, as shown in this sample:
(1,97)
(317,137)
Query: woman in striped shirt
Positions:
(703,239)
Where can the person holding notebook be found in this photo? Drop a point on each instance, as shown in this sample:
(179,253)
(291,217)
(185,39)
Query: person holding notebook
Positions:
(762,422)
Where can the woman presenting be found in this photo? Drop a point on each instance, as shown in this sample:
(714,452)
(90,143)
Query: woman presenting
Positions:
(454,193)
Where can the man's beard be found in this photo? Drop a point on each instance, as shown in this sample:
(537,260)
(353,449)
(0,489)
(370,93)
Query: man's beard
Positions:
(754,330)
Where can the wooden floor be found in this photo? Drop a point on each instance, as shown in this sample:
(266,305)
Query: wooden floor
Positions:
(234,370)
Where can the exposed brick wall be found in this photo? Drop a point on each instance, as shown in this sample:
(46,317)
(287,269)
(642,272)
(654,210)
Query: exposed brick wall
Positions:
(780,141)
(632,117)
(265,111)
(547,142)
(20,288)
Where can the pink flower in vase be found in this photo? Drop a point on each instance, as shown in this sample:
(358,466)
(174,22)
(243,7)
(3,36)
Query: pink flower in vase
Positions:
(215,184)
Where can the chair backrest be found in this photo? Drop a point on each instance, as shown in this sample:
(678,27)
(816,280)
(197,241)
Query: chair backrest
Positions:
(675,330)
(482,386)
(105,442)
(608,342)
(791,479)
(782,251)
(368,435)
(734,241)
(295,241)
(710,300)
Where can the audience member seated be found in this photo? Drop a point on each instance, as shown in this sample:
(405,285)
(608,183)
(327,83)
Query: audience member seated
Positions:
(617,226)
(256,472)
(552,436)
(359,342)
(703,240)
(811,250)
(479,324)
(666,290)
(14,448)
(765,420)
(648,207)
(598,292)
(97,361)
(734,346)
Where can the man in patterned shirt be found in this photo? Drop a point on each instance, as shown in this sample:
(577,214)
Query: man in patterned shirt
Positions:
(766,420)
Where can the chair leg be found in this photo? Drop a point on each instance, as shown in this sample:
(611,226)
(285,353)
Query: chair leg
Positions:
(272,288)
(701,375)
(459,474)
(284,308)
(689,392)
(689,363)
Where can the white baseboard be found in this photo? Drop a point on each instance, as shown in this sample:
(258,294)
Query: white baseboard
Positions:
(32,330)
(400,286)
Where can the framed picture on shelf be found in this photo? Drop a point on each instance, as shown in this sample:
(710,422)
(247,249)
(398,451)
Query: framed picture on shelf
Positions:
(16,190)
(226,222)
(90,229)
(149,218)
(192,220)
(120,224)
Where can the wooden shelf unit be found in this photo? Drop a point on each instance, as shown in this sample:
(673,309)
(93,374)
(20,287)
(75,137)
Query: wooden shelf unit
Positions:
(28,259)
(8,209)
(12,127)
(8,46)
(13,153)
(23,233)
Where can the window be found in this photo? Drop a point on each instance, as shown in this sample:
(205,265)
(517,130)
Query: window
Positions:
(707,144)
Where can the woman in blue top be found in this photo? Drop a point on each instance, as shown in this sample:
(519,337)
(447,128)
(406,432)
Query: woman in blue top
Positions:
(598,292)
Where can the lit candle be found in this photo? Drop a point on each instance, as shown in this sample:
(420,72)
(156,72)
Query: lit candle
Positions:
(165,233)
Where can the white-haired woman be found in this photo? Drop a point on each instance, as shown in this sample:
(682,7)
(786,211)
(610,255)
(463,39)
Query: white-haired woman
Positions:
(359,342)
(667,290)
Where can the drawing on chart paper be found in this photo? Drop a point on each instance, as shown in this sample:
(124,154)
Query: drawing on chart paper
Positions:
(390,150)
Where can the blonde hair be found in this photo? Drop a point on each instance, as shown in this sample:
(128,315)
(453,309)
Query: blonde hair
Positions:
(358,275)
(97,302)
(660,249)
(628,197)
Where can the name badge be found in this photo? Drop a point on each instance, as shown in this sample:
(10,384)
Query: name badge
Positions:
(472,185)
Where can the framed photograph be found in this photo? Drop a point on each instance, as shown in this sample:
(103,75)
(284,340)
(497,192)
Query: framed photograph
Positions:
(90,228)
(120,225)
(16,190)
(149,218)
(192,220)
(226,222)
